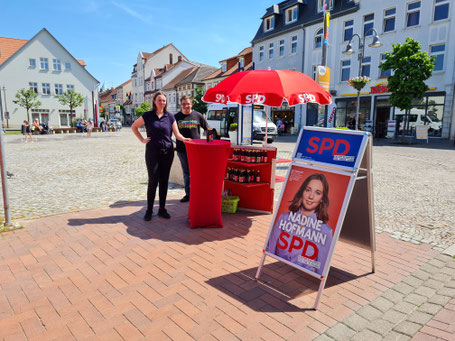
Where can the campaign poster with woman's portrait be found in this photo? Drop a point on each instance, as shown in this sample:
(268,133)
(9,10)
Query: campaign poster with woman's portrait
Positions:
(308,215)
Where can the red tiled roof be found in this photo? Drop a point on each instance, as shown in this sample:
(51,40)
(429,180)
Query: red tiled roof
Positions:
(82,62)
(9,46)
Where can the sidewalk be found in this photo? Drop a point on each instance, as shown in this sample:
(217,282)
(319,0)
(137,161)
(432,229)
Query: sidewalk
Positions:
(107,274)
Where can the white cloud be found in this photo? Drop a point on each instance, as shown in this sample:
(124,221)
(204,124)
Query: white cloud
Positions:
(131,12)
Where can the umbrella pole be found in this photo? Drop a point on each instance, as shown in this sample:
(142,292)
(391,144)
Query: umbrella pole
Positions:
(266,125)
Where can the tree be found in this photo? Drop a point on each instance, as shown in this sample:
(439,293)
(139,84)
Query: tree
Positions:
(71,98)
(142,109)
(198,104)
(411,68)
(27,99)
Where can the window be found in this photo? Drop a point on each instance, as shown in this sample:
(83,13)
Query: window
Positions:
(294,44)
(67,66)
(441,10)
(281,45)
(33,86)
(32,63)
(269,23)
(318,38)
(366,66)
(348,30)
(389,20)
(368,23)
(291,14)
(385,73)
(46,88)
(413,15)
(44,63)
(69,87)
(56,65)
(58,89)
(438,52)
(261,53)
(224,67)
(271,50)
(345,70)
(242,62)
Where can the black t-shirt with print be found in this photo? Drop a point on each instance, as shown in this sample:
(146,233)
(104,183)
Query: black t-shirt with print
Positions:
(189,126)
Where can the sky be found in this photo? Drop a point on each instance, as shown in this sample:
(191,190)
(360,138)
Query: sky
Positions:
(108,34)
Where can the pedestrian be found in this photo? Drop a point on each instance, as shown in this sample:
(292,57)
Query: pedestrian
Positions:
(159,150)
(89,127)
(26,130)
(37,127)
(189,123)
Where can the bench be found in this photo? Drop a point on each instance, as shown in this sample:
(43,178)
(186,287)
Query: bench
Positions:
(96,129)
(64,130)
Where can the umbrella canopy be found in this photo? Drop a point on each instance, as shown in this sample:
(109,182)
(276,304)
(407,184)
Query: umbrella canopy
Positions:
(268,87)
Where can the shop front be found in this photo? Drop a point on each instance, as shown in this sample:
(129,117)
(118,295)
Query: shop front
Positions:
(346,112)
(286,115)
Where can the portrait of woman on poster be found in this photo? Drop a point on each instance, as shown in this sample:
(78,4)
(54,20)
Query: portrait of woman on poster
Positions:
(304,226)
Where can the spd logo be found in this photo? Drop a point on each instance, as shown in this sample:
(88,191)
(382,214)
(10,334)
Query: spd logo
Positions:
(259,99)
(305,98)
(220,98)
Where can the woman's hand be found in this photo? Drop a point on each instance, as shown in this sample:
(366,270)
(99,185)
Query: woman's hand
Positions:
(186,139)
(146,140)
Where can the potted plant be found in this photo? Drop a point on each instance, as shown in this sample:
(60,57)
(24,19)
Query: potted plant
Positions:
(358,82)
(233,133)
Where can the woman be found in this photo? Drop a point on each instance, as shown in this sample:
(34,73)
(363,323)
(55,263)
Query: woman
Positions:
(27,131)
(36,126)
(88,127)
(302,235)
(159,151)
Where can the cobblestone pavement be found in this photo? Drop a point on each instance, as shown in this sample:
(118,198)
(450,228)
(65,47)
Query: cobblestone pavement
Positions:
(413,186)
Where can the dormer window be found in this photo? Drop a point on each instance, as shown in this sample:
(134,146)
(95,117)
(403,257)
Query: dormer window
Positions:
(223,66)
(291,14)
(241,62)
(269,23)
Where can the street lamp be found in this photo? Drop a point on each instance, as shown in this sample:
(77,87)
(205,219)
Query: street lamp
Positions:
(375,43)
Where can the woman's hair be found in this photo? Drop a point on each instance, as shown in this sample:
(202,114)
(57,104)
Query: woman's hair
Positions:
(323,207)
(153,101)
(25,121)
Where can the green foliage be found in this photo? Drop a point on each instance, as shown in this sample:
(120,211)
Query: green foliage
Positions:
(411,68)
(233,127)
(72,99)
(142,109)
(103,112)
(27,99)
(198,103)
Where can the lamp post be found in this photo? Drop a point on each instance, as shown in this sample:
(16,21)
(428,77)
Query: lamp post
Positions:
(375,43)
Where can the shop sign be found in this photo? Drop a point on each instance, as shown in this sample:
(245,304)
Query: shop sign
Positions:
(378,89)
(391,126)
(323,77)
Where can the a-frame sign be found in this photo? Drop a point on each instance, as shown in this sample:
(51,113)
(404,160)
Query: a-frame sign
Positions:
(327,195)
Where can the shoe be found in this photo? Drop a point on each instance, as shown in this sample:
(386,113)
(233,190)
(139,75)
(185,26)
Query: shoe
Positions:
(163,213)
(148,215)
(186,198)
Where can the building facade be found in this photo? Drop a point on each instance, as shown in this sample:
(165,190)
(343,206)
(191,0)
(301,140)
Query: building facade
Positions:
(45,66)
(428,21)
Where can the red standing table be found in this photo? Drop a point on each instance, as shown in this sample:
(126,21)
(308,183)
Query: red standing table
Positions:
(207,162)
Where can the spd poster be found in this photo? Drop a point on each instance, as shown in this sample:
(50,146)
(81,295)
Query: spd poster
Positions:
(307,220)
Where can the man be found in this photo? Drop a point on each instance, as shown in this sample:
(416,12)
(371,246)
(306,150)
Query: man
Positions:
(189,123)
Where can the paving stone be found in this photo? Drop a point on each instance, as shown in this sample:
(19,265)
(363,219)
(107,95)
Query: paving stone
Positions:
(423,275)
(369,312)
(441,277)
(450,284)
(431,269)
(393,295)
(408,328)
(430,308)
(380,326)
(323,337)
(403,288)
(443,258)
(431,283)
(416,299)
(419,317)
(382,304)
(405,307)
(394,336)
(446,292)
(439,299)
(413,281)
(437,263)
(394,316)
(356,322)
(367,335)
(340,332)
(425,291)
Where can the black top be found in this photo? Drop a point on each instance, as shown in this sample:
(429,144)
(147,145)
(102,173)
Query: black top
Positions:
(159,129)
(190,126)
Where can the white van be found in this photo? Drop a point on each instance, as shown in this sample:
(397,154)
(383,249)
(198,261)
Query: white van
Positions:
(220,117)
(417,117)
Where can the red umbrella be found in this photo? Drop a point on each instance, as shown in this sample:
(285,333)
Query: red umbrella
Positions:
(268,87)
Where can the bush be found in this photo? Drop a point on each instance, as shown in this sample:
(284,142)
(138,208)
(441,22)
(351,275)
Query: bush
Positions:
(233,127)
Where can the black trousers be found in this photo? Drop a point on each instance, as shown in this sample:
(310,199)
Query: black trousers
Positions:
(158,163)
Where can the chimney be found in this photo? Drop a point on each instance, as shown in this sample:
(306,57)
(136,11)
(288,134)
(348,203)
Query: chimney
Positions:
(170,58)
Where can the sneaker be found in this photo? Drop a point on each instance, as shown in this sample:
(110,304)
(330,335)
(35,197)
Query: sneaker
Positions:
(186,198)
(148,215)
(163,213)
